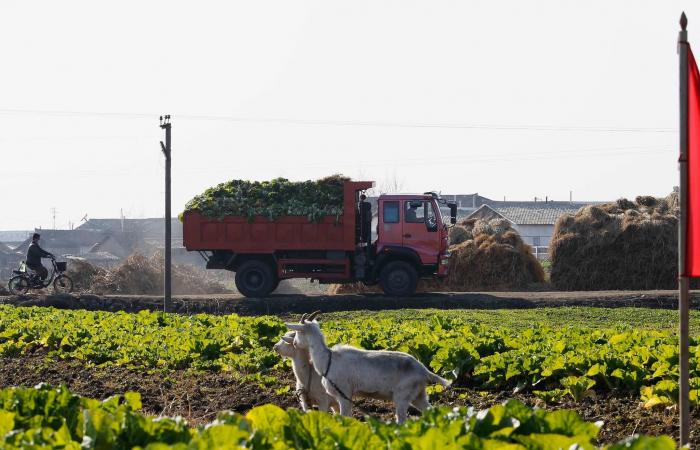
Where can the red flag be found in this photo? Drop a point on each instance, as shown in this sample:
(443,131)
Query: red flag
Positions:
(692,266)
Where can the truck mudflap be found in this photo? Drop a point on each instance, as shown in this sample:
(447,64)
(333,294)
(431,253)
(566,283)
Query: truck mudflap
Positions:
(219,259)
(444,265)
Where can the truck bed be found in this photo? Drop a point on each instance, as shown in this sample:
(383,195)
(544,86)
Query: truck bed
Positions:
(265,236)
(262,235)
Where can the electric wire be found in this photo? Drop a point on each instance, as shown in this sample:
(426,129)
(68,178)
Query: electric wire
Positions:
(342,123)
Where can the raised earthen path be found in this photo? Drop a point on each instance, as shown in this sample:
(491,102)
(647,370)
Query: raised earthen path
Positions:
(286,304)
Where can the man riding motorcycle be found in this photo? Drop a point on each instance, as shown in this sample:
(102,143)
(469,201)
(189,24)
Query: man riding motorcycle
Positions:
(34,255)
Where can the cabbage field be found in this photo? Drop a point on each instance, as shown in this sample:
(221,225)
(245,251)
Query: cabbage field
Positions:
(44,417)
(591,360)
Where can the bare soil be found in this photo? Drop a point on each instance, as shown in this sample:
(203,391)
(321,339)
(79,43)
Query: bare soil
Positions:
(199,396)
(296,304)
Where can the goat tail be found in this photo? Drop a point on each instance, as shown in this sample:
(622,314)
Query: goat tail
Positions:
(437,379)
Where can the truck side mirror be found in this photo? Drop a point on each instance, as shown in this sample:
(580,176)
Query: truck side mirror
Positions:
(453,213)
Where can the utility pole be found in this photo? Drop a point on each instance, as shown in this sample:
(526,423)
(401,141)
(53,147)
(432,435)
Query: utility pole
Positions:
(167,295)
(53,214)
(683,279)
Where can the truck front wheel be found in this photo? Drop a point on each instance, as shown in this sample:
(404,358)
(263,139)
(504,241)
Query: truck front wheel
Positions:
(398,279)
(255,279)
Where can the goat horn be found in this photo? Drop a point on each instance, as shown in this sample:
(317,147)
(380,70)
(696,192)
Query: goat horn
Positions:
(303,318)
(313,315)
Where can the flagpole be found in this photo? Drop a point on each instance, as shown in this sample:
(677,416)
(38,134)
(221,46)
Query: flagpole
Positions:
(683,303)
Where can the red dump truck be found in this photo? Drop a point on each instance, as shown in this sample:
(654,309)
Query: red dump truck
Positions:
(410,243)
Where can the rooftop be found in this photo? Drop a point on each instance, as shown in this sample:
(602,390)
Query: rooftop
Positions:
(6,250)
(146,227)
(63,239)
(529,212)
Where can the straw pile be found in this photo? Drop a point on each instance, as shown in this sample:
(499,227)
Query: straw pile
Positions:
(486,255)
(491,256)
(140,275)
(620,245)
(355,288)
(459,234)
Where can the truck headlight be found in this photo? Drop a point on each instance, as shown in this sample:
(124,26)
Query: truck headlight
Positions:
(445,259)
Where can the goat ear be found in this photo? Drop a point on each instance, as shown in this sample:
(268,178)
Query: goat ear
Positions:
(295,326)
(288,339)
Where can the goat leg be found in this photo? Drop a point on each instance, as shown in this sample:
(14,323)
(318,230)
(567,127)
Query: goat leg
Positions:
(421,402)
(303,400)
(345,407)
(401,403)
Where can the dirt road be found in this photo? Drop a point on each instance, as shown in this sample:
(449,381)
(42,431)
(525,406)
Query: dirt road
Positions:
(285,304)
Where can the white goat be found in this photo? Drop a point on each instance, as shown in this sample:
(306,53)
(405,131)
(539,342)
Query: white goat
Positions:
(308,387)
(349,372)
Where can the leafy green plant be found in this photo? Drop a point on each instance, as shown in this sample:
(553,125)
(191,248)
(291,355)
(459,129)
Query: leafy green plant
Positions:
(551,396)
(578,387)
(473,354)
(43,417)
(272,199)
(144,341)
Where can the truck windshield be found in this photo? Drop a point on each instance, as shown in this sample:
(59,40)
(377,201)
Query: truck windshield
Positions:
(420,211)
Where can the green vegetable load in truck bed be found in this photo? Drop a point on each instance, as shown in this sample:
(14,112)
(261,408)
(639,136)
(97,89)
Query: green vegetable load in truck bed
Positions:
(272,199)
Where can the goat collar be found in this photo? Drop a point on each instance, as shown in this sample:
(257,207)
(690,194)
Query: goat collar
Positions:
(328,366)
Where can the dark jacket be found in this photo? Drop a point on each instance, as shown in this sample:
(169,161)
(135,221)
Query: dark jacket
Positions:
(35,253)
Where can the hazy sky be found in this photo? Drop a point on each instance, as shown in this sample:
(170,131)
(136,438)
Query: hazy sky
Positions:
(509,98)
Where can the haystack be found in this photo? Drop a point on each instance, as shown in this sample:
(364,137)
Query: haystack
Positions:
(459,234)
(142,276)
(494,258)
(620,245)
(486,255)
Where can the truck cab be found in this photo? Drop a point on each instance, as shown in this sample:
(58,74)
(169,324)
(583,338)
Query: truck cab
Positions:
(412,241)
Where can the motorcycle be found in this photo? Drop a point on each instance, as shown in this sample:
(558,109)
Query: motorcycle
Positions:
(25,279)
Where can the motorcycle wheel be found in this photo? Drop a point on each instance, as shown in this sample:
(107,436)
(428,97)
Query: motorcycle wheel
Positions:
(18,285)
(63,284)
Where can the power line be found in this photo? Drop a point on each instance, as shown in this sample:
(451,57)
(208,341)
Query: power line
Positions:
(441,125)
(60,113)
(490,159)
(448,159)
(344,123)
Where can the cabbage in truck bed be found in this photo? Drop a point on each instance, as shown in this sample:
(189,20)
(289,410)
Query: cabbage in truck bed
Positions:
(272,199)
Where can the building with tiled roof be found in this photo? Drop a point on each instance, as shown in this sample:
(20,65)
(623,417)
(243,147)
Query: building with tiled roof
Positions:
(534,220)
(109,241)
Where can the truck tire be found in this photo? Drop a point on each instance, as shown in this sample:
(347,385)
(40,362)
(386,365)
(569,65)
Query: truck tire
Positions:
(255,279)
(398,279)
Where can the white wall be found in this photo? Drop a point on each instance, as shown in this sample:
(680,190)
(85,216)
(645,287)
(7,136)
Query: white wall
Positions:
(530,232)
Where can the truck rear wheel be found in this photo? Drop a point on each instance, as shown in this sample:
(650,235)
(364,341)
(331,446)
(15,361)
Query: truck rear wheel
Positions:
(255,279)
(398,279)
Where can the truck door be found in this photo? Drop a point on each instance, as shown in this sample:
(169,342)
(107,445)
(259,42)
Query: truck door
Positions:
(390,222)
(420,231)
